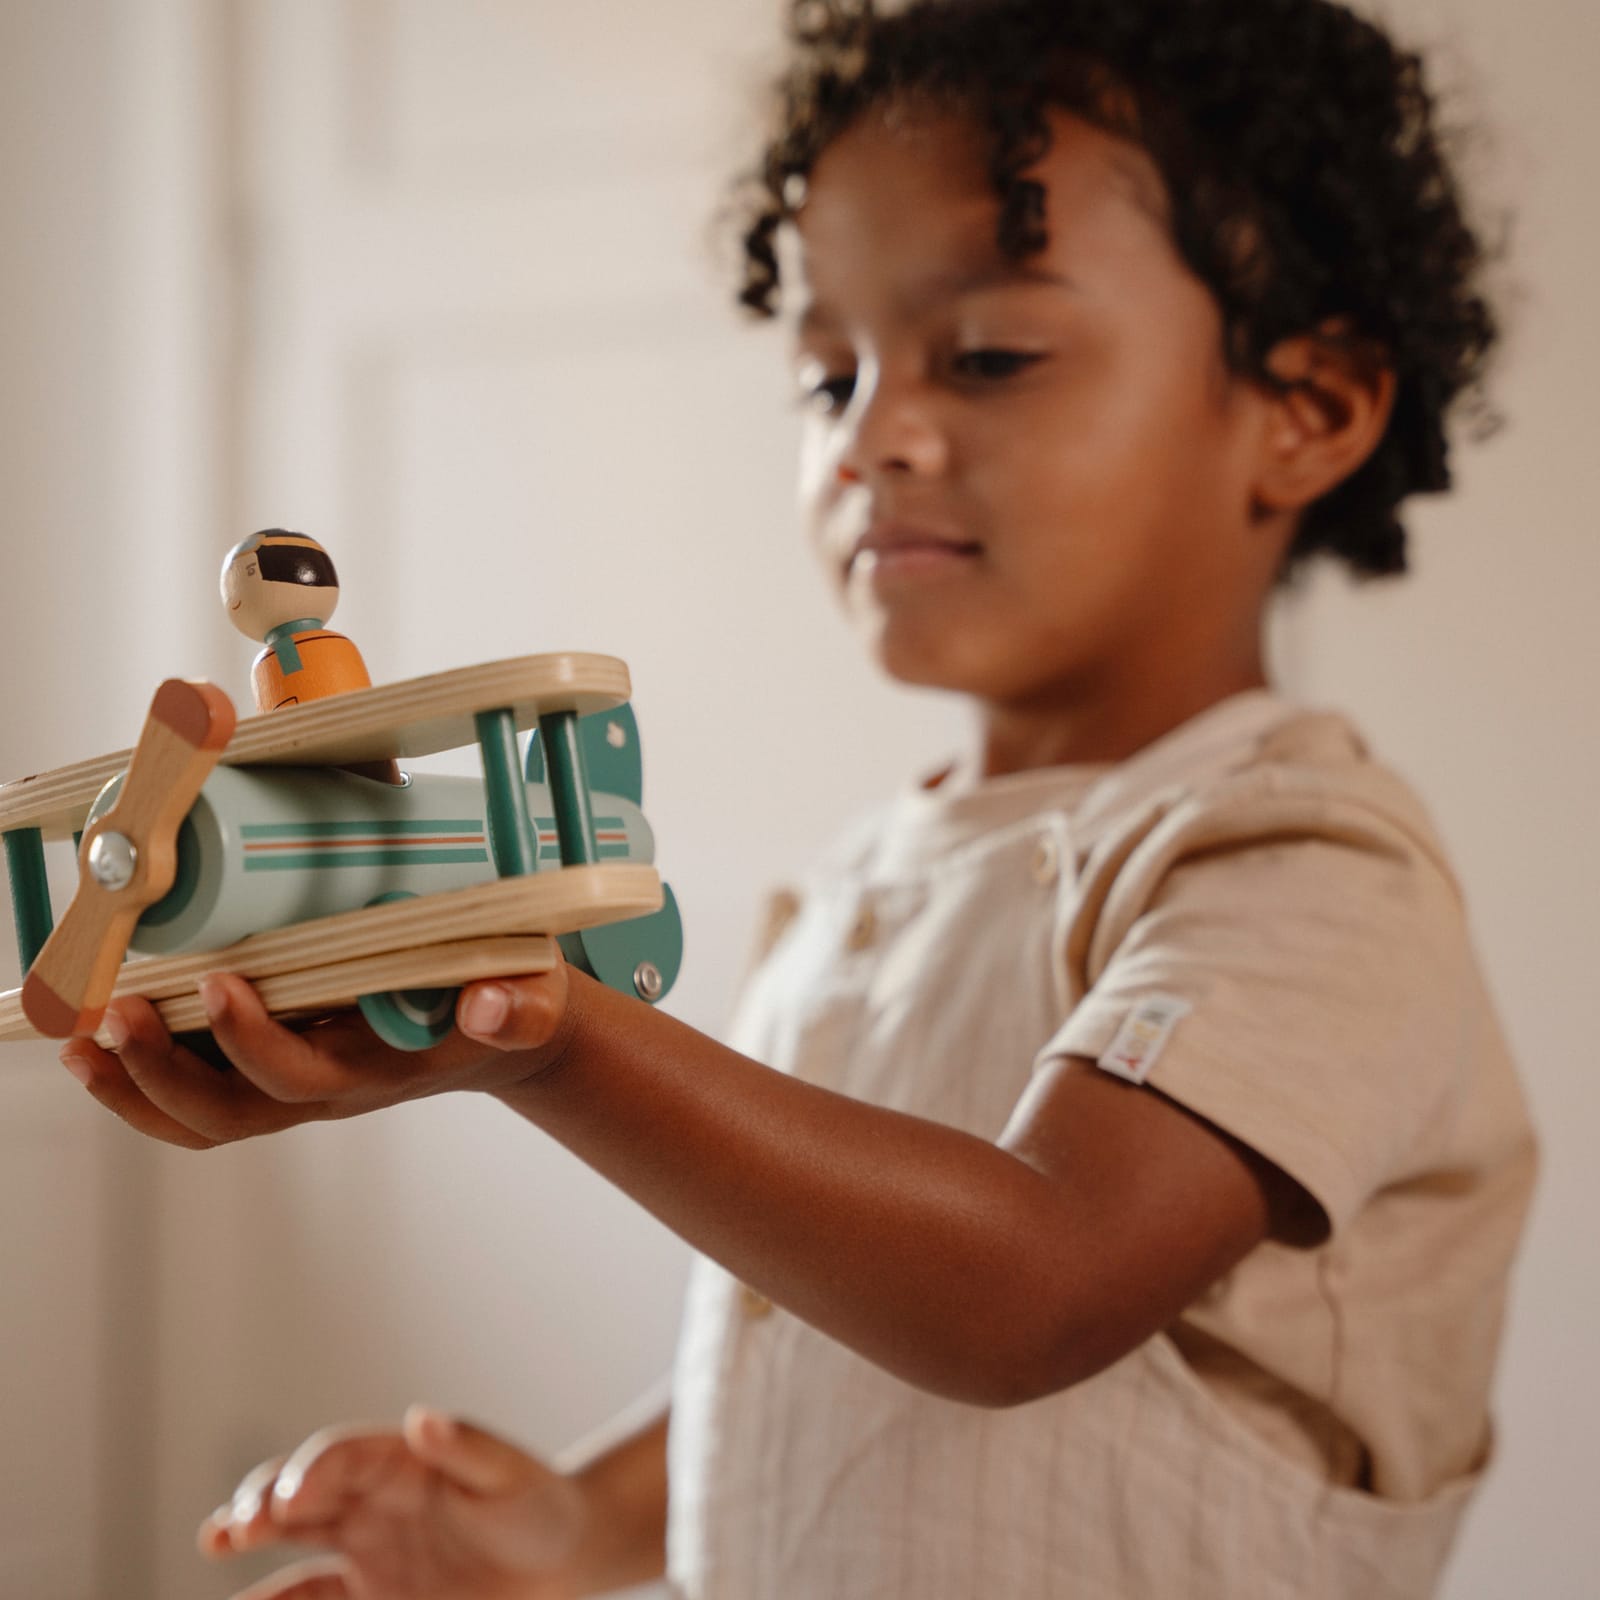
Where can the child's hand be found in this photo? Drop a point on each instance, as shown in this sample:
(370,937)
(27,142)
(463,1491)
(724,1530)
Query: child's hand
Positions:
(438,1509)
(507,1030)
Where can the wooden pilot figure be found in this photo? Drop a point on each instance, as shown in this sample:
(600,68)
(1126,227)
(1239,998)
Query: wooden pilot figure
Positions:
(281,588)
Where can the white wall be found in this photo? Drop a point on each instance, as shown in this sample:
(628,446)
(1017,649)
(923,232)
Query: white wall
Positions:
(1477,677)
(440,1251)
(66,1198)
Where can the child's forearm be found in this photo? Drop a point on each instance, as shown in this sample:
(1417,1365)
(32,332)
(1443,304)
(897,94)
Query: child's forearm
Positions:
(922,1247)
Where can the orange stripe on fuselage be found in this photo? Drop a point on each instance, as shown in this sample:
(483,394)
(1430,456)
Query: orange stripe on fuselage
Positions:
(365,844)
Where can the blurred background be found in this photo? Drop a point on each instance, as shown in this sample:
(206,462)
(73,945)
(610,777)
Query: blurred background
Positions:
(435,284)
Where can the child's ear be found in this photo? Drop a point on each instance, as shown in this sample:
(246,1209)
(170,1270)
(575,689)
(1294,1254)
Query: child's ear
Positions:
(1328,419)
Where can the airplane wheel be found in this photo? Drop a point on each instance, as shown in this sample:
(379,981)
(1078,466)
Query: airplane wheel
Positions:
(638,957)
(409,1019)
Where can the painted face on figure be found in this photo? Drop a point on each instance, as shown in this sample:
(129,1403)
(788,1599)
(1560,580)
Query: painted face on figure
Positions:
(277,577)
(1020,476)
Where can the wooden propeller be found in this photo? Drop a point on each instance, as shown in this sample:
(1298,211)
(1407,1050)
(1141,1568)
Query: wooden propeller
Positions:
(128,859)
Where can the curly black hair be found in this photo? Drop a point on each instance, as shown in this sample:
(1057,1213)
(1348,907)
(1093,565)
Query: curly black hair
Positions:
(1306,179)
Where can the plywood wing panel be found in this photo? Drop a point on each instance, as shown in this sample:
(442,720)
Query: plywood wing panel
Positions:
(414,718)
(546,903)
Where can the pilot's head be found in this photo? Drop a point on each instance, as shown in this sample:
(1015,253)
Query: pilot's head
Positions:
(274,577)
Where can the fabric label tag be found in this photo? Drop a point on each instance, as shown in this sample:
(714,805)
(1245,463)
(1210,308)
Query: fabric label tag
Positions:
(1143,1036)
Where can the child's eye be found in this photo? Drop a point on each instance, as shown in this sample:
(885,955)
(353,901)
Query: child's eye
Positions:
(992,364)
(830,395)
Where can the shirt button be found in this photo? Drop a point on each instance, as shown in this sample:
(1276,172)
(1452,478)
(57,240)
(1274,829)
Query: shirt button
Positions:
(863,930)
(754,1304)
(1046,863)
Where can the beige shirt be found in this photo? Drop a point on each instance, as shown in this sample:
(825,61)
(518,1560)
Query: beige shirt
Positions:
(1254,918)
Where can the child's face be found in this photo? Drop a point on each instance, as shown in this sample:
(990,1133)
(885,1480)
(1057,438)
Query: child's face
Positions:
(1031,483)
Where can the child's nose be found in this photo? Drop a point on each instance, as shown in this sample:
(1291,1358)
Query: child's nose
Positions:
(893,429)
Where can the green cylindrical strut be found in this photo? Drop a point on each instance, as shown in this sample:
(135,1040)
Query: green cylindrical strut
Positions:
(30,892)
(512,841)
(569,788)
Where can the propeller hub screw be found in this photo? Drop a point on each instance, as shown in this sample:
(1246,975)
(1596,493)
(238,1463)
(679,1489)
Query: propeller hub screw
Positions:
(647,980)
(113,859)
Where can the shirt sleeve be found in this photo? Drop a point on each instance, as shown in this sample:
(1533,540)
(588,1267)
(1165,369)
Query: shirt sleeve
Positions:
(1293,971)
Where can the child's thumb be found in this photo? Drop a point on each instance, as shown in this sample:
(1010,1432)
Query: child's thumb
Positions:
(513,1013)
(477,1461)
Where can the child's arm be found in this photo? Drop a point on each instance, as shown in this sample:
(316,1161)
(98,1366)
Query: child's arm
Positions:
(441,1509)
(991,1273)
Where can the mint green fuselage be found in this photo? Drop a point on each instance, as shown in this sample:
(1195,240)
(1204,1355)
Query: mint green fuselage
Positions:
(265,847)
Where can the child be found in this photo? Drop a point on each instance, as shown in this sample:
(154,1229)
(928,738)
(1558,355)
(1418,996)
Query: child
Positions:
(1131,1213)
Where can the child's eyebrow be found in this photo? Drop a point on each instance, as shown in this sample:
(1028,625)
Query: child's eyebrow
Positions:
(816,315)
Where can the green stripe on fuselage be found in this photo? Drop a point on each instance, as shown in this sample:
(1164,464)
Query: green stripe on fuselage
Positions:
(327,860)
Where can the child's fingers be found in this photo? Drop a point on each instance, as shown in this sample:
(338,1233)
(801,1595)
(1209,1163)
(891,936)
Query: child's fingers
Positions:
(289,1068)
(334,1469)
(215,1105)
(304,1495)
(154,1085)
(245,1520)
(514,1013)
(107,1081)
(480,1462)
(320,1579)
(283,1077)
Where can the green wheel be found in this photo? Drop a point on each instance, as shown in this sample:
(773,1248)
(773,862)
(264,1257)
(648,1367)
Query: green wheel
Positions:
(409,1019)
(638,957)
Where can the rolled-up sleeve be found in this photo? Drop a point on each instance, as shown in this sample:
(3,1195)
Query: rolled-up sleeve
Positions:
(1292,970)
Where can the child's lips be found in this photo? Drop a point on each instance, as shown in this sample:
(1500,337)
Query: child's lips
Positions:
(898,551)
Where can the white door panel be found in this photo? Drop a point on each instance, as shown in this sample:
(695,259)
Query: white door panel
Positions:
(487,360)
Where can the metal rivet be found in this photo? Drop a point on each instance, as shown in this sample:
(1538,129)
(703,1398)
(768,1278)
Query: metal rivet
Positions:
(113,860)
(647,980)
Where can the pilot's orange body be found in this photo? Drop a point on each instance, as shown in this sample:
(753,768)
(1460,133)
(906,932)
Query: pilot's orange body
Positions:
(280,587)
(328,663)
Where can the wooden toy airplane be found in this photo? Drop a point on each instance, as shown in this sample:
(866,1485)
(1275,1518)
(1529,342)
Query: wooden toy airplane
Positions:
(254,849)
